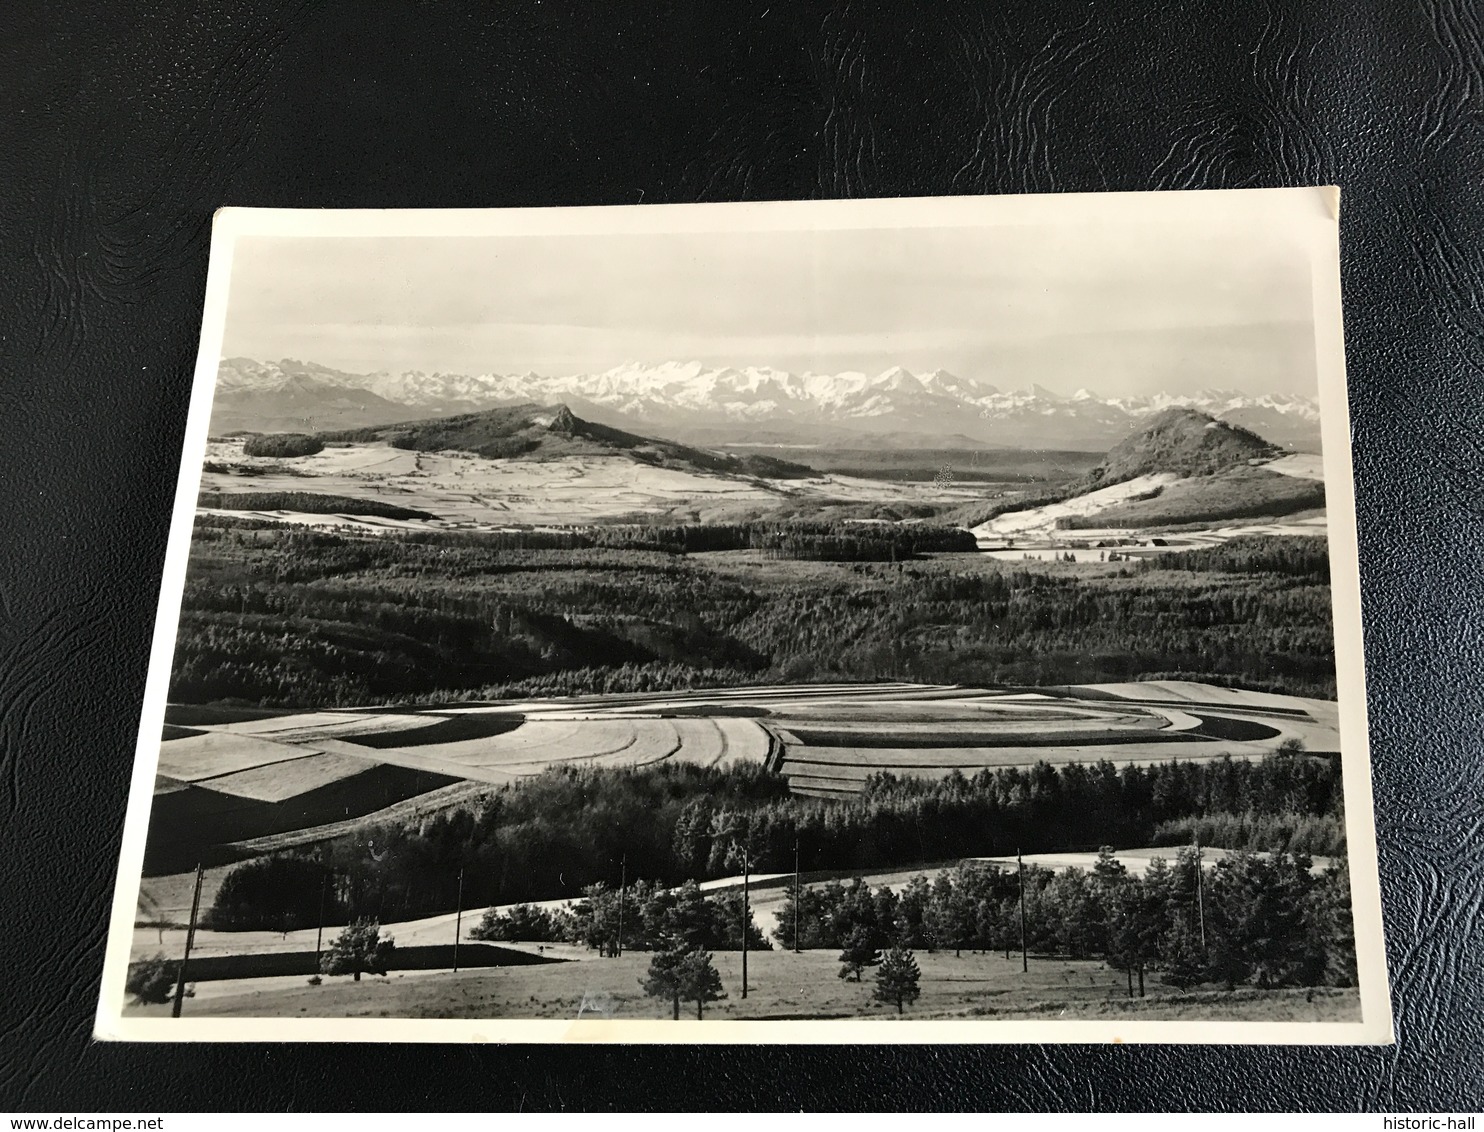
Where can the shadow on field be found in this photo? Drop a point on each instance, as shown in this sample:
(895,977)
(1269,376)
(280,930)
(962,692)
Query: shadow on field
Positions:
(426,957)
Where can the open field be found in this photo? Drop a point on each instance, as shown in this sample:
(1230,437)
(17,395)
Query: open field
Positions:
(1043,520)
(223,791)
(469,492)
(1161,512)
(782,985)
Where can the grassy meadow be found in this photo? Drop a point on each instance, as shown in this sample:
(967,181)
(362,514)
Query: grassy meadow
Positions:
(781,986)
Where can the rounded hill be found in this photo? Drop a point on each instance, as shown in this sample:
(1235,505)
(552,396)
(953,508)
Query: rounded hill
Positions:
(1182,441)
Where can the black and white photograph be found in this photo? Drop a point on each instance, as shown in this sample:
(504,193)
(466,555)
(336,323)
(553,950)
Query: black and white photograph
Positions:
(857,621)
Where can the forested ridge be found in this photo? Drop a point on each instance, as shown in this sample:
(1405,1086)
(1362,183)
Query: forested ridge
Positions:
(285,616)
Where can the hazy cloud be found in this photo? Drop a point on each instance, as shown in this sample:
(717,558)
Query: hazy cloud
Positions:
(1119,310)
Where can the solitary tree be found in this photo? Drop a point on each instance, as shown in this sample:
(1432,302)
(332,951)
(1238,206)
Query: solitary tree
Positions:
(699,980)
(860,951)
(664,980)
(897,978)
(359,947)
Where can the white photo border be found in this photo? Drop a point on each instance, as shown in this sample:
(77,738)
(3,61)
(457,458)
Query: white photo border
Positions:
(1309,217)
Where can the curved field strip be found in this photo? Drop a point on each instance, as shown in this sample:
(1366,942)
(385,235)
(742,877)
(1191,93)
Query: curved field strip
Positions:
(858,762)
(842,780)
(741,741)
(538,742)
(215,753)
(643,753)
(290,723)
(417,806)
(278,782)
(940,712)
(981,740)
(358,728)
(1205,695)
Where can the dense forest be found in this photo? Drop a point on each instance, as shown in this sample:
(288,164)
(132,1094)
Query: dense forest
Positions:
(280,615)
(552,835)
(312,502)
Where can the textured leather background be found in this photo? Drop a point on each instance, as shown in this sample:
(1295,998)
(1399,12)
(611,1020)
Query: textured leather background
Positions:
(122,127)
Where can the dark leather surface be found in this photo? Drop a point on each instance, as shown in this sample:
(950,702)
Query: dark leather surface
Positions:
(122,127)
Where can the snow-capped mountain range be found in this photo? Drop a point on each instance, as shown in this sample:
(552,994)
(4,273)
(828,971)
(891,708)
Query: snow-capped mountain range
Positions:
(756,404)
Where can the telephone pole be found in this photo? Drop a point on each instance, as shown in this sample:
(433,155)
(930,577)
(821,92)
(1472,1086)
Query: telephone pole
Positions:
(458,921)
(319,932)
(180,978)
(1020,869)
(798,894)
(746,919)
(1200,892)
(623,898)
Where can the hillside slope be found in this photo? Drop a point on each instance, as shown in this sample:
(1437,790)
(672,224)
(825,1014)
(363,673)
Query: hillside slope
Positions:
(538,432)
(1179,441)
(1184,467)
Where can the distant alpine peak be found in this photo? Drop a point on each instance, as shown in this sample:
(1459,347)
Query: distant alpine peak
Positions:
(678,394)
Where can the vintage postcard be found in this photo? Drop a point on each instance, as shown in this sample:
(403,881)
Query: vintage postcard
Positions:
(863,621)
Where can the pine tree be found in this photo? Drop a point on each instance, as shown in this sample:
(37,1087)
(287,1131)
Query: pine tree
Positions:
(796,907)
(699,980)
(359,947)
(897,978)
(859,951)
(664,980)
(1184,965)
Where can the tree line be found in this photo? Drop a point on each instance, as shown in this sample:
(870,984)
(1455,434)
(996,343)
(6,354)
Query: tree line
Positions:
(1268,919)
(555,834)
(644,915)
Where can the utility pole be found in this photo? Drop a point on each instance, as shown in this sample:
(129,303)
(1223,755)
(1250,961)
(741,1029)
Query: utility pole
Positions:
(458,921)
(623,898)
(1020,868)
(746,920)
(798,894)
(1200,892)
(319,932)
(180,978)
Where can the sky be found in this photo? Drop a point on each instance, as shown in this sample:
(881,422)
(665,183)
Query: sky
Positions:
(1120,310)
